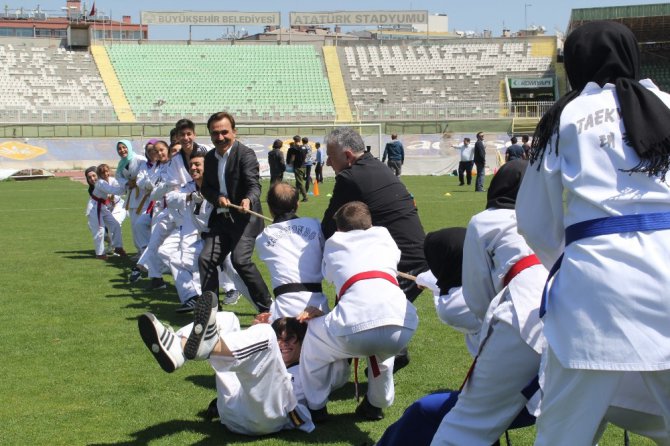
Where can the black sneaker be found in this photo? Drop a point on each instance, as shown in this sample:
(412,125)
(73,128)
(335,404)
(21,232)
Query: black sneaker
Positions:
(157,283)
(401,361)
(212,411)
(135,275)
(205,333)
(368,411)
(188,306)
(319,415)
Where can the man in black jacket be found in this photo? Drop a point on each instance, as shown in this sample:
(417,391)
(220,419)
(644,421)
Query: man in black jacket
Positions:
(480,162)
(231,177)
(359,176)
(362,177)
(276,162)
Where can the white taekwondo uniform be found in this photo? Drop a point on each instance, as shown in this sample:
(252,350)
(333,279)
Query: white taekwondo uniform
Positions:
(372,318)
(293,250)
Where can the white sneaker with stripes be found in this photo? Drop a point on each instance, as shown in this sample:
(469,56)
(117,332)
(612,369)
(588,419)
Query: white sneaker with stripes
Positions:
(162,341)
(205,333)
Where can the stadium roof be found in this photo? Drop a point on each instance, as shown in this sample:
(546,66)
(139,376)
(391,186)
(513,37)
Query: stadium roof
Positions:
(650,23)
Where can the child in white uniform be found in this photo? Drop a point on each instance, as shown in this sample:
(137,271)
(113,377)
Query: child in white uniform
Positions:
(292,249)
(126,174)
(257,385)
(502,282)
(372,319)
(600,155)
(99,213)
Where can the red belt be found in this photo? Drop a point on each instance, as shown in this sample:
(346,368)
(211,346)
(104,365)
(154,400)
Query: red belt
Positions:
(520,265)
(364,276)
(100,202)
(372,360)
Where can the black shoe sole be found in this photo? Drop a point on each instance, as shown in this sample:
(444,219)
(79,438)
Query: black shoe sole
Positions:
(150,338)
(201,313)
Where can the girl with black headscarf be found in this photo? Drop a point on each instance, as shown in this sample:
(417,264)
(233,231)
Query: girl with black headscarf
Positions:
(605,149)
(444,255)
(501,282)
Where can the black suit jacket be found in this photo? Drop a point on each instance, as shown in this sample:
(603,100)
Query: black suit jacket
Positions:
(390,203)
(242,181)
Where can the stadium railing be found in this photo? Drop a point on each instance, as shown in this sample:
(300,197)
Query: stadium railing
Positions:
(446,111)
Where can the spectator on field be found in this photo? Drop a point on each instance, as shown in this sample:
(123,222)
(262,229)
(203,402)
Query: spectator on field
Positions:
(309,161)
(396,154)
(295,156)
(466,161)
(480,162)
(514,151)
(276,162)
(318,168)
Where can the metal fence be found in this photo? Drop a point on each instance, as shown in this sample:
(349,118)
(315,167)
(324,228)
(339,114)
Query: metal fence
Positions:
(381,112)
(449,111)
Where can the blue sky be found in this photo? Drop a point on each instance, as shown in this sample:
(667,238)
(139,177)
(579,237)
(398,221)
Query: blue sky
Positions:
(463,15)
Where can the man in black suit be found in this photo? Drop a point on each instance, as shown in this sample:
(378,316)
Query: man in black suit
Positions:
(480,162)
(231,176)
(362,177)
(359,176)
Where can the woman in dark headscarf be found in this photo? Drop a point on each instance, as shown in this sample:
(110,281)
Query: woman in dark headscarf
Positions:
(127,172)
(444,255)
(475,289)
(501,282)
(596,195)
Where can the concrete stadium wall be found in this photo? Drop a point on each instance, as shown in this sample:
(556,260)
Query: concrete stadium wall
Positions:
(114,130)
(424,154)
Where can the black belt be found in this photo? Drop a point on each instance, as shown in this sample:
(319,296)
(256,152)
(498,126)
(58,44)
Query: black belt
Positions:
(295,287)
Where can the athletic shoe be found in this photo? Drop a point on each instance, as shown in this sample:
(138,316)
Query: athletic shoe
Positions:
(368,411)
(188,306)
(205,333)
(135,275)
(232,296)
(319,415)
(401,361)
(121,252)
(212,410)
(101,257)
(157,283)
(161,340)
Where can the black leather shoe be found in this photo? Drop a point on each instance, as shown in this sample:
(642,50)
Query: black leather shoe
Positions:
(212,411)
(319,415)
(401,361)
(368,411)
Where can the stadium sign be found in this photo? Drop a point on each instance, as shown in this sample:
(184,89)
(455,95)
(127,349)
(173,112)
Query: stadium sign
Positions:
(358,18)
(545,82)
(213,18)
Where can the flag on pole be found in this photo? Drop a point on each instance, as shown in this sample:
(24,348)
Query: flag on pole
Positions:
(93,11)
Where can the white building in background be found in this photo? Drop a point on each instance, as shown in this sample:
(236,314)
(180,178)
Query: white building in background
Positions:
(437,23)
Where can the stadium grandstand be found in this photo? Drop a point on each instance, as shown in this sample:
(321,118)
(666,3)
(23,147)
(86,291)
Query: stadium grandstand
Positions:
(84,76)
(651,26)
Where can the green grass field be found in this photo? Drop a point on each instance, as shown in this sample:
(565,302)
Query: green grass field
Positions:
(76,372)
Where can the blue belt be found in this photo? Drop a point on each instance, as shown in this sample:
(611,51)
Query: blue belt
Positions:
(603,226)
